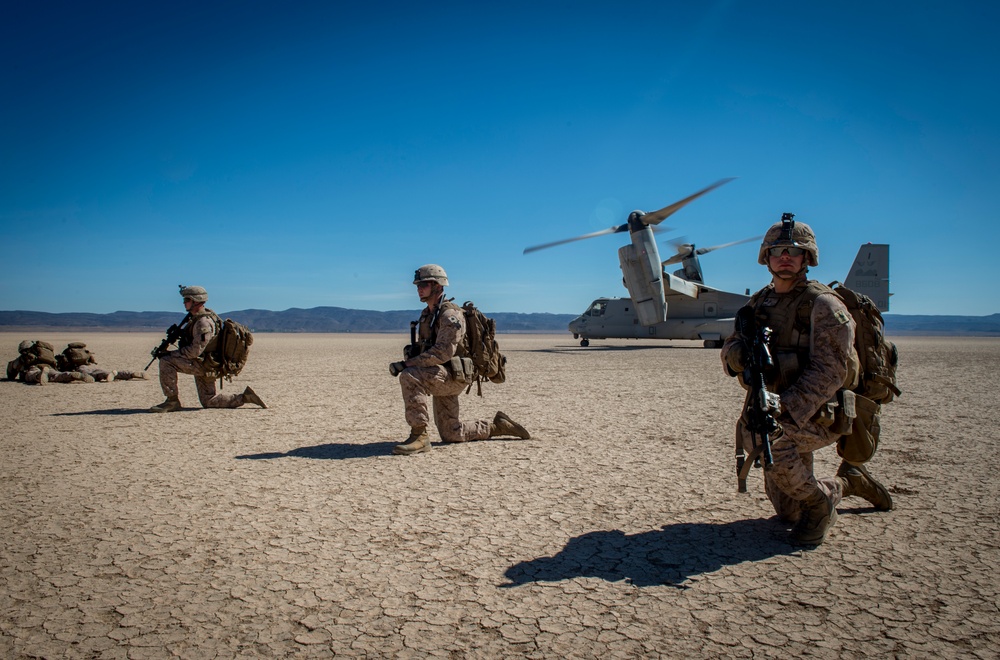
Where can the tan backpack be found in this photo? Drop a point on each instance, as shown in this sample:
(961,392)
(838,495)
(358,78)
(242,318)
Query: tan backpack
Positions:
(481,346)
(227,353)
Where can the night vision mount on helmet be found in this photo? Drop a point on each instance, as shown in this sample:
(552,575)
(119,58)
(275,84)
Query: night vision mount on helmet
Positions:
(788,233)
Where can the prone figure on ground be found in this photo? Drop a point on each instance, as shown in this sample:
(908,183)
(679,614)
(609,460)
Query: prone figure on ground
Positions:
(815,368)
(195,339)
(77,357)
(37,363)
(437,367)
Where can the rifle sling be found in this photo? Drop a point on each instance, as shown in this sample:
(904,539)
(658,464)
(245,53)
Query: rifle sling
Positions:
(744,470)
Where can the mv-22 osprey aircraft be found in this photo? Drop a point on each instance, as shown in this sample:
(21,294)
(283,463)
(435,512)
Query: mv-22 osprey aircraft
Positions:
(680,305)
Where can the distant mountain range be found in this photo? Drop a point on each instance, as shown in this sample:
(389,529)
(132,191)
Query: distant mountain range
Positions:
(316,319)
(339,319)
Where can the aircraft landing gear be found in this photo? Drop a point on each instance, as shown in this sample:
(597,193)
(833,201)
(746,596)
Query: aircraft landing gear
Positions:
(585,343)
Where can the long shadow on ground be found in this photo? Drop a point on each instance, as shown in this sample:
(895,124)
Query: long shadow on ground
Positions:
(113,411)
(665,557)
(333,451)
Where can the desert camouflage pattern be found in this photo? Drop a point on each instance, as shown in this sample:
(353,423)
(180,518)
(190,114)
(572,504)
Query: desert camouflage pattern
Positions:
(831,341)
(802,236)
(98,373)
(33,375)
(197,334)
(426,379)
(129,374)
(187,360)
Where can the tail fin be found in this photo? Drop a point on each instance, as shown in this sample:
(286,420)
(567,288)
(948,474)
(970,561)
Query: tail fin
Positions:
(870,274)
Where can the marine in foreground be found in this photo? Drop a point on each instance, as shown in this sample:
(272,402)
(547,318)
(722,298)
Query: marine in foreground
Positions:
(813,368)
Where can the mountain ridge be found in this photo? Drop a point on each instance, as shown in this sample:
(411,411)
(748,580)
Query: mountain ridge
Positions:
(342,319)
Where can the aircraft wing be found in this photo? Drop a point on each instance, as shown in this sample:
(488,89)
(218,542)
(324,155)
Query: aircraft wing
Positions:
(674,284)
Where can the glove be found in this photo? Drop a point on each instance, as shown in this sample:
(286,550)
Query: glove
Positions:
(736,356)
(396,367)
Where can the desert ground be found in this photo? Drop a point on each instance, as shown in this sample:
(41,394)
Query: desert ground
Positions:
(614,532)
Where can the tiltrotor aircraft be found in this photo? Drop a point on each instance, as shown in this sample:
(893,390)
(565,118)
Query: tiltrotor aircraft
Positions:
(696,311)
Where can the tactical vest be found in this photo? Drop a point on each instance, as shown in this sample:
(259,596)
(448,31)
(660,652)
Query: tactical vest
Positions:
(427,336)
(789,316)
(187,334)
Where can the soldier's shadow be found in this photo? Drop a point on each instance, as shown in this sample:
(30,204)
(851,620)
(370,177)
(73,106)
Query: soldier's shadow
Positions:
(110,411)
(330,451)
(668,556)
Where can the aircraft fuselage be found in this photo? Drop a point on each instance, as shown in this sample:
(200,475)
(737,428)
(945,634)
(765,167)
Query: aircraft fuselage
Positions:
(709,317)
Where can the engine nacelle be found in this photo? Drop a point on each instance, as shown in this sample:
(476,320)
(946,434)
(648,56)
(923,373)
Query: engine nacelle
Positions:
(641,269)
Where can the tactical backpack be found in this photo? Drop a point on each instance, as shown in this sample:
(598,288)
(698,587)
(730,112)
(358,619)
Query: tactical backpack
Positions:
(877,379)
(227,352)
(482,348)
(38,352)
(74,356)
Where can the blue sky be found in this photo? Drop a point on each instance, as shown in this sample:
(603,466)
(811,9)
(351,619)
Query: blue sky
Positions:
(315,153)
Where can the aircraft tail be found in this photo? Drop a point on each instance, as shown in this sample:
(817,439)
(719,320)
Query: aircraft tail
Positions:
(870,274)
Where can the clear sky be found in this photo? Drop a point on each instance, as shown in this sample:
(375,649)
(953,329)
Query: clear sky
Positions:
(304,154)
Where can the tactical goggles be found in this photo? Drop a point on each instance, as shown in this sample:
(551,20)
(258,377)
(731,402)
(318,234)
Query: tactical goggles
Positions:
(778,251)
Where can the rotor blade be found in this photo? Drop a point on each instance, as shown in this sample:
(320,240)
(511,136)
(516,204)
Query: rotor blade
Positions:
(656,217)
(701,251)
(609,230)
(682,250)
(683,254)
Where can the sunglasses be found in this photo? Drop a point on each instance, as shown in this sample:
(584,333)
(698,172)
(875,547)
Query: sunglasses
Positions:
(778,251)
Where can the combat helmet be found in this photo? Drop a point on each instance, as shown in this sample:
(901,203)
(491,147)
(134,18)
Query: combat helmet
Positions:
(787,232)
(195,293)
(430,273)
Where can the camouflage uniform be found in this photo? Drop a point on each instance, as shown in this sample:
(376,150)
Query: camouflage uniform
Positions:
(427,377)
(128,374)
(96,372)
(31,353)
(187,360)
(108,375)
(36,375)
(830,364)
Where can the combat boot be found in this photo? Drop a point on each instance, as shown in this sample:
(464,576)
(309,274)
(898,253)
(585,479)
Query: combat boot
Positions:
(418,442)
(249,396)
(504,425)
(818,516)
(43,377)
(79,377)
(170,405)
(858,482)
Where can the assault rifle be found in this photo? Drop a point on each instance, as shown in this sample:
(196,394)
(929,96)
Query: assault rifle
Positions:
(412,349)
(173,334)
(762,406)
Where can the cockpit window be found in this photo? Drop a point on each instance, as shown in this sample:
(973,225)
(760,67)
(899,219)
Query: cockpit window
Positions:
(597,309)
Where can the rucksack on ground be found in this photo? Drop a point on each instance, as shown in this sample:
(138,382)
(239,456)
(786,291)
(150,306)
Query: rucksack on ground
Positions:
(226,355)
(74,356)
(481,346)
(38,352)
(878,359)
